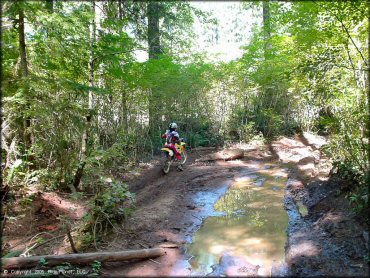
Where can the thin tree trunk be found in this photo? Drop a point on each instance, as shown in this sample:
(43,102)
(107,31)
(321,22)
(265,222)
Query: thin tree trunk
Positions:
(22,44)
(91,104)
(124,122)
(120,10)
(50,6)
(153,29)
(266,27)
(153,14)
(24,74)
(368,86)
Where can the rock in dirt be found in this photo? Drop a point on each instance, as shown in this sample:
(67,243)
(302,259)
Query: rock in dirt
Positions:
(223,155)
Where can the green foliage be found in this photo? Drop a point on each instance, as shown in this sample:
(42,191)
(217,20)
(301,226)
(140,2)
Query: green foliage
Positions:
(96,267)
(201,135)
(111,202)
(12,254)
(312,78)
(43,262)
(360,181)
(87,239)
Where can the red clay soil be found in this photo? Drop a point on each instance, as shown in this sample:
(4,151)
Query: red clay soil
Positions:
(27,224)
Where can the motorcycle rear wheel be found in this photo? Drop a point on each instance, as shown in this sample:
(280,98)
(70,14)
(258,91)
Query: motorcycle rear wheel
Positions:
(166,165)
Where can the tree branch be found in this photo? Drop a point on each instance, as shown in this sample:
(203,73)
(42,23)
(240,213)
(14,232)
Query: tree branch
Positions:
(346,30)
(115,53)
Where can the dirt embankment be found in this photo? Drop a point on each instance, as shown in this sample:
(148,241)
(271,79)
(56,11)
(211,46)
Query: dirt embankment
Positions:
(325,238)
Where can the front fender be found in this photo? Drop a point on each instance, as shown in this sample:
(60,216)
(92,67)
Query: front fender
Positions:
(167,150)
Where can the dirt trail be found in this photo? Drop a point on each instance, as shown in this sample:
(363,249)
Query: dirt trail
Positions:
(324,238)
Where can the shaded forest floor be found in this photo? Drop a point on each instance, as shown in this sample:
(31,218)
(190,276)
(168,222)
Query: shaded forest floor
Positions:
(324,236)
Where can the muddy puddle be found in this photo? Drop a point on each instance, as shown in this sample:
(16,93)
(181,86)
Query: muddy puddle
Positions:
(246,229)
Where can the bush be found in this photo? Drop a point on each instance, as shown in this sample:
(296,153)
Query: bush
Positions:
(201,135)
(359,192)
(112,203)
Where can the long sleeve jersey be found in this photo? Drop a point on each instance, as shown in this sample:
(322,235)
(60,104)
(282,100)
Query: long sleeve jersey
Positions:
(171,136)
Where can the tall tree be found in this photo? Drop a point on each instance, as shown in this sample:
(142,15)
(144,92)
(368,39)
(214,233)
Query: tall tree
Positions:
(50,5)
(153,15)
(266,27)
(368,87)
(24,74)
(91,105)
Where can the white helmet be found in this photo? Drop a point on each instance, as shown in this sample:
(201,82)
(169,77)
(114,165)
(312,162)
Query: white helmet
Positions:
(173,125)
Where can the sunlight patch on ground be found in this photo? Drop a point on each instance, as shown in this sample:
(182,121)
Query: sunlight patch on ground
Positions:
(305,248)
(313,139)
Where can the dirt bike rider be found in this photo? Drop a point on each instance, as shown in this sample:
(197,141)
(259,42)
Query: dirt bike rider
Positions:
(172,137)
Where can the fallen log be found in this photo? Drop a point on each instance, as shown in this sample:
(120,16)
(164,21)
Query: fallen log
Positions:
(204,149)
(83,258)
(223,155)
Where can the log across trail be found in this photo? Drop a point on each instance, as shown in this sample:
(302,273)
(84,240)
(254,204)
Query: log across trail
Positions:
(226,155)
(86,258)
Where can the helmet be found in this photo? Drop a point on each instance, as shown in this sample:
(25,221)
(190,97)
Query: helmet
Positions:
(173,125)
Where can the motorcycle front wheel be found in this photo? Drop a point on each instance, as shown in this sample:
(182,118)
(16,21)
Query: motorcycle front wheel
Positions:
(184,157)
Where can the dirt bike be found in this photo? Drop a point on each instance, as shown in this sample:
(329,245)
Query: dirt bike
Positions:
(171,158)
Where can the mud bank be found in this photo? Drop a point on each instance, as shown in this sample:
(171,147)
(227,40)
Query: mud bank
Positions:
(324,237)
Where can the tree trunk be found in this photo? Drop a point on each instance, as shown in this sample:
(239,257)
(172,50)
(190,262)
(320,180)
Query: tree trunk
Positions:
(84,259)
(85,136)
(368,86)
(50,6)
(266,27)
(22,43)
(153,14)
(124,122)
(120,10)
(24,74)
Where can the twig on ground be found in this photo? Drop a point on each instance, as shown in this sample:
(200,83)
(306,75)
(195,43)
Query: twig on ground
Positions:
(197,217)
(143,245)
(38,235)
(71,241)
(154,261)
(47,241)
(25,252)
(38,245)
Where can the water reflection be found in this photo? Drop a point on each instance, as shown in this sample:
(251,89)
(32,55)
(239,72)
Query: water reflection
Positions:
(253,224)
